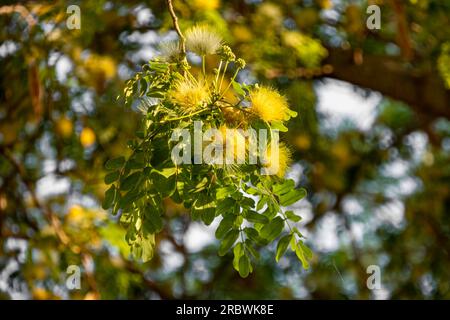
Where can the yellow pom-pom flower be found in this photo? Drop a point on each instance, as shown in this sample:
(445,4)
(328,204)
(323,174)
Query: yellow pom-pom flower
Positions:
(75,214)
(170,51)
(202,41)
(189,95)
(268,104)
(284,160)
(234,144)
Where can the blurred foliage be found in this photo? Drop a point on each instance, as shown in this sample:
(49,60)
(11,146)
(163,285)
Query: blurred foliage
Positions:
(375,196)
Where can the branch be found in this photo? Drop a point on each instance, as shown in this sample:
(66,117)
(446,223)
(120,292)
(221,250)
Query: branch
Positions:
(50,216)
(424,91)
(162,291)
(22,11)
(403,37)
(177,28)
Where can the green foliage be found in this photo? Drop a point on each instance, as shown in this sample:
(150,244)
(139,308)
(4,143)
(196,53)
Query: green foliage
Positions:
(443,63)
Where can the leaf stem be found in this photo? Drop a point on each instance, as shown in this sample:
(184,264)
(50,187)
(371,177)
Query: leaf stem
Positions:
(223,75)
(218,73)
(188,115)
(204,65)
(229,85)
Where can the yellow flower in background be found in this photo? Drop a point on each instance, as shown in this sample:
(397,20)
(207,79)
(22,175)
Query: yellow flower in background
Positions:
(284,160)
(206,4)
(268,104)
(268,16)
(309,50)
(101,65)
(325,4)
(64,127)
(189,95)
(75,214)
(202,40)
(241,33)
(87,137)
(41,294)
(302,142)
(81,217)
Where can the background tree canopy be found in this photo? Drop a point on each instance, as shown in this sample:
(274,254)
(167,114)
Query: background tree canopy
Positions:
(378,194)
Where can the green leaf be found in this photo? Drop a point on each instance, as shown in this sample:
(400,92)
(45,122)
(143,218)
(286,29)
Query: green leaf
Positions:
(282,188)
(293,244)
(292,197)
(248,246)
(292,113)
(237,195)
(271,211)
(131,181)
(224,192)
(252,234)
(143,87)
(224,206)
(255,217)
(164,181)
(292,216)
(204,208)
(155,93)
(251,190)
(238,88)
(238,252)
(114,164)
(110,195)
(129,198)
(168,172)
(247,203)
(282,246)
(125,219)
(295,230)
(244,266)
(158,66)
(273,229)
(111,177)
(225,225)
(208,215)
(278,125)
(301,256)
(137,162)
(262,202)
(228,241)
(306,251)
(148,248)
(144,246)
(153,222)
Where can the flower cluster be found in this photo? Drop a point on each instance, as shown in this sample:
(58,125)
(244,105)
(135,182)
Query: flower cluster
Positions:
(239,105)
(200,111)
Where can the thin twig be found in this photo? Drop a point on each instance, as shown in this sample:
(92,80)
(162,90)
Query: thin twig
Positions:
(22,11)
(177,28)
(51,217)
